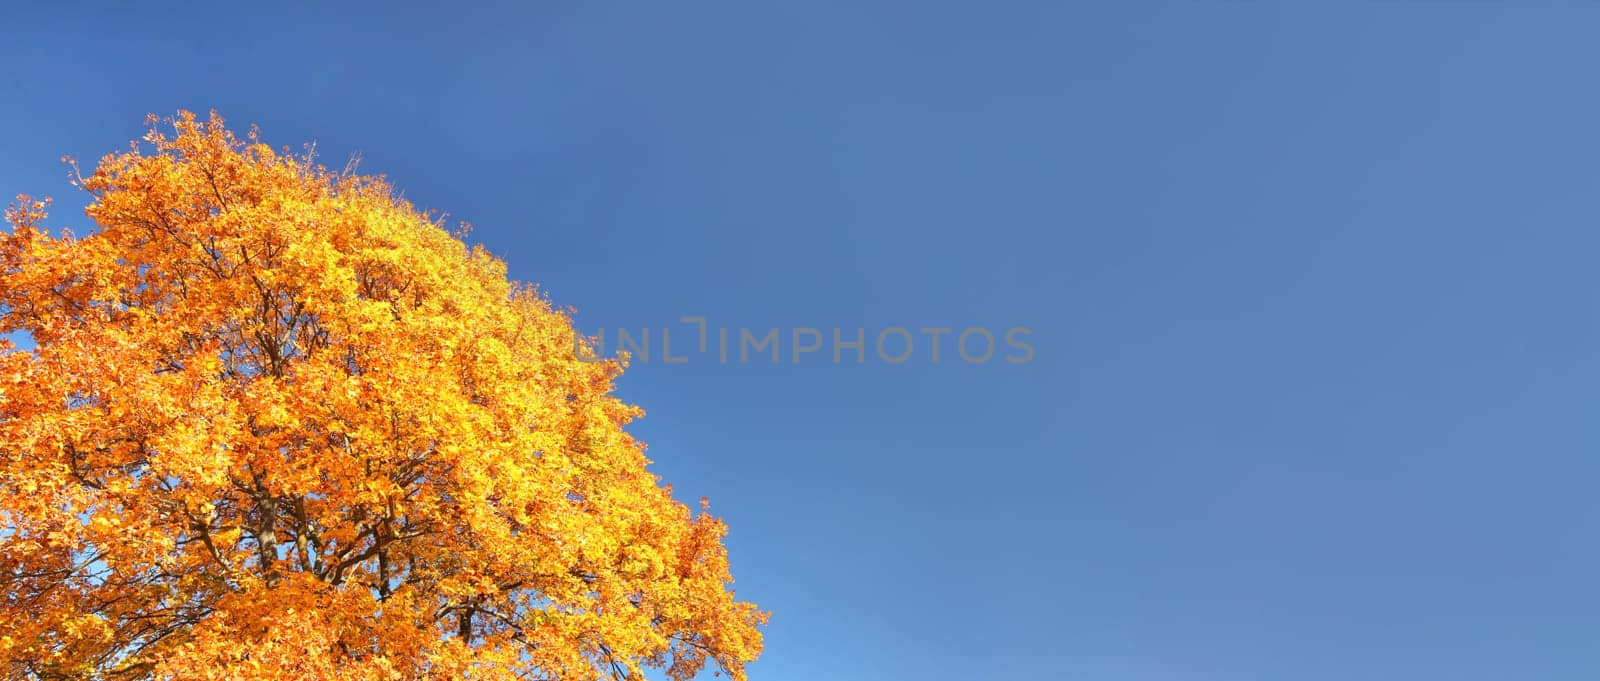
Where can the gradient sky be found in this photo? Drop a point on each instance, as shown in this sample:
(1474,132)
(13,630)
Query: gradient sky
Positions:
(1312,293)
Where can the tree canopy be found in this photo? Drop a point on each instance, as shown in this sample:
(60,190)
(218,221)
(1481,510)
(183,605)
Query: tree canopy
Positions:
(278,423)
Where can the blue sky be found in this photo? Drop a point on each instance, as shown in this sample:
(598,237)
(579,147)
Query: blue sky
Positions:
(1311,292)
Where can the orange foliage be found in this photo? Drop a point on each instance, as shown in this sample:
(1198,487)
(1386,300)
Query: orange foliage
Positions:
(281,425)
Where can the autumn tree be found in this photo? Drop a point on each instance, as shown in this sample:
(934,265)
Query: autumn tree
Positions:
(279,424)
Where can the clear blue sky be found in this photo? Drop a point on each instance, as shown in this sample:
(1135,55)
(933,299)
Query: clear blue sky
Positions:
(1313,294)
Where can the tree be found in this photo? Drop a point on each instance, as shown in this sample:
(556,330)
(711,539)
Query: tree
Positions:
(279,424)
